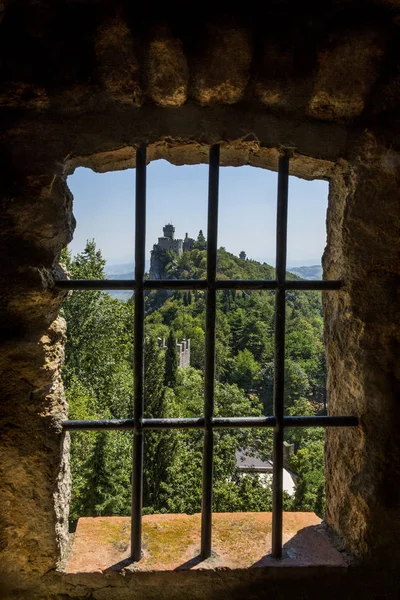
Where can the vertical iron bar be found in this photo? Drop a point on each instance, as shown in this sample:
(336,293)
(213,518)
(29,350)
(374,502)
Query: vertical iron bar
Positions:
(209,377)
(279,359)
(138,408)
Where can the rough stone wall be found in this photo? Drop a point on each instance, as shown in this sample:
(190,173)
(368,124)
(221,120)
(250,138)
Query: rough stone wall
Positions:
(362,338)
(82,84)
(35,481)
(165,243)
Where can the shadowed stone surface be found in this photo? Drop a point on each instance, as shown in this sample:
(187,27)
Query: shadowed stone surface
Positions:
(222,70)
(167,70)
(362,335)
(347,70)
(118,67)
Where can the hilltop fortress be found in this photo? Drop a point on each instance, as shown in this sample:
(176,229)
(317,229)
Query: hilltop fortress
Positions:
(165,243)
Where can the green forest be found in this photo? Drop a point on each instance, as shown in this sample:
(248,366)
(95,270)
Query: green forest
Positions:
(98,381)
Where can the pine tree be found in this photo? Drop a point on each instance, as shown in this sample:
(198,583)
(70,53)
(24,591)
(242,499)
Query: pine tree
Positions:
(98,488)
(171,361)
(158,445)
(200,243)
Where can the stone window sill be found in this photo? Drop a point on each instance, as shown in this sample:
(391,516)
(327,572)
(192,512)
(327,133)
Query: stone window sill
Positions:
(171,543)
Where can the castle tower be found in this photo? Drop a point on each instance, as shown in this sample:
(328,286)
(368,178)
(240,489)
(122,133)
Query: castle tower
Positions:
(169,231)
(188,243)
(158,260)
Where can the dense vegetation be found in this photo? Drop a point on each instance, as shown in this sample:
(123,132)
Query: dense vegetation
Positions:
(98,380)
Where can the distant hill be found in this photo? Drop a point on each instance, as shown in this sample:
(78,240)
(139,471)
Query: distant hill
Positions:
(122,295)
(314,272)
(129,275)
(124,271)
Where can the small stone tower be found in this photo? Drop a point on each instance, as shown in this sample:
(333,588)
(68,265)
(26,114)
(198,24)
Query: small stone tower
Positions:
(188,243)
(169,231)
(165,243)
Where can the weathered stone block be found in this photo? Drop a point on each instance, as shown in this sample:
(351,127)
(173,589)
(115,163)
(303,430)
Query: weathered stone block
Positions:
(167,70)
(221,73)
(347,69)
(279,82)
(117,63)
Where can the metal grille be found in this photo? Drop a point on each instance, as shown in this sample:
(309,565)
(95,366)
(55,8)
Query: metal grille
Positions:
(138,424)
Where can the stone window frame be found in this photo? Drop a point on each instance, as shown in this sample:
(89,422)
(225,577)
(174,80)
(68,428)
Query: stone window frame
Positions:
(360,338)
(278,421)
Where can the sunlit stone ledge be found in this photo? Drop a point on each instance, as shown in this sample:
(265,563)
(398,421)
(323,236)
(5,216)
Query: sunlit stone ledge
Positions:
(171,542)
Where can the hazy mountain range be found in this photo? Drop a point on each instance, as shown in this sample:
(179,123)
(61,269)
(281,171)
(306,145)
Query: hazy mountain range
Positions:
(126,271)
(313,272)
(123,271)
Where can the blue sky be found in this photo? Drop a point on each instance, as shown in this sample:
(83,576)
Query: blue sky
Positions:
(104,210)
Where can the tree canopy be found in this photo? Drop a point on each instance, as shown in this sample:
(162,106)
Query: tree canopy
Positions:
(98,380)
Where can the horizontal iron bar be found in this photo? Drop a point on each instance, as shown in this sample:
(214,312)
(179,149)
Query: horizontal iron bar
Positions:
(245,284)
(234,422)
(96,284)
(196,423)
(175,284)
(98,424)
(217,422)
(195,284)
(329,284)
(130,424)
(325,421)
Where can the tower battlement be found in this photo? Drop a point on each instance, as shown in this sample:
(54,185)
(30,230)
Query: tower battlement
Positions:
(169,231)
(183,350)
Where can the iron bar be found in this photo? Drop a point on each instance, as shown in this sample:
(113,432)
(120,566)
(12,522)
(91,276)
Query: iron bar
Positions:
(138,407)
(209,375)
(175,284)
(180,423)
(243,422)
(129,424)
(303,284)
(96,284)
(195,284)
(217,422)
(321,421)
(243,284)
(99,425)
(279,358)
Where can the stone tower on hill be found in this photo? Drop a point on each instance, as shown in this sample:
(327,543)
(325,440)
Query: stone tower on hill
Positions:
(165,243)
(168,241)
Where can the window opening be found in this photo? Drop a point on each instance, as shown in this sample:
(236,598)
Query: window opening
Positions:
(277,422)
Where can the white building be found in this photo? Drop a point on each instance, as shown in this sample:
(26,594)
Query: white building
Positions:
(251,464)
